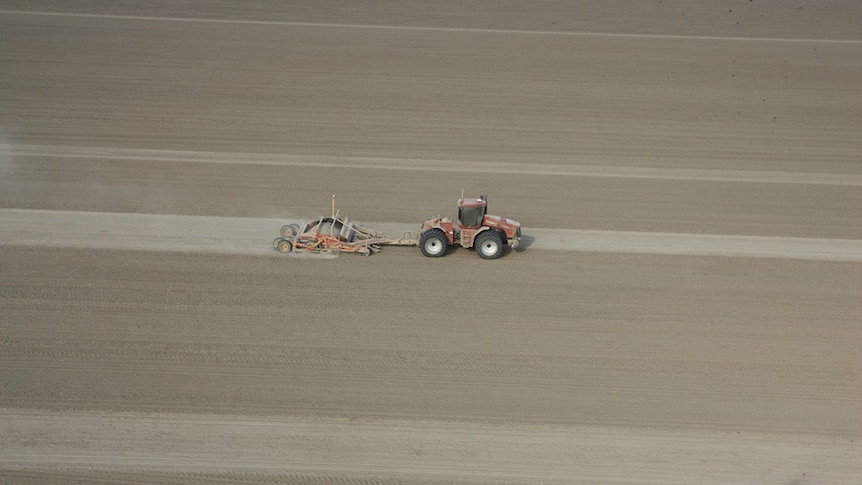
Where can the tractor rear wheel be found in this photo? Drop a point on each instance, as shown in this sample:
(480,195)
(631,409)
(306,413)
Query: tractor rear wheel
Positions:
(489,245)
(433,243)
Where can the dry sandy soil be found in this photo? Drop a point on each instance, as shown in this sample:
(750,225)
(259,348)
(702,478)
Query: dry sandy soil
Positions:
(685,308)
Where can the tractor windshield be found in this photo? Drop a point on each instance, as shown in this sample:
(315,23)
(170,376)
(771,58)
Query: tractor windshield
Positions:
(471,216)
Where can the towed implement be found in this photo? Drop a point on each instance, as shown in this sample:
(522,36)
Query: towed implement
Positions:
(333,234)
(474,228)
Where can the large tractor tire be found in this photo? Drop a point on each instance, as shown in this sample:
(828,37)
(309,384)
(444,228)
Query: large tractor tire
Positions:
(489,244)
(433,243)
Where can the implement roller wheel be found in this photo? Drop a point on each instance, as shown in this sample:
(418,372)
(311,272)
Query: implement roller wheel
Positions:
(284,246)
(289,230)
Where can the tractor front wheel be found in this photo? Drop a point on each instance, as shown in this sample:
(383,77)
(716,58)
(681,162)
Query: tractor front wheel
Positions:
(433,243)
(489,245)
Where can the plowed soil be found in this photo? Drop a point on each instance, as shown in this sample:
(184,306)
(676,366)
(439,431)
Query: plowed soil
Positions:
(684,307)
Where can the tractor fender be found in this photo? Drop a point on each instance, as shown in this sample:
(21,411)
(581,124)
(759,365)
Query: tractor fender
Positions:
(508,227)
(444,224)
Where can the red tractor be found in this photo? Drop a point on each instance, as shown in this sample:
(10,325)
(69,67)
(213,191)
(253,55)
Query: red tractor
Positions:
(487,234)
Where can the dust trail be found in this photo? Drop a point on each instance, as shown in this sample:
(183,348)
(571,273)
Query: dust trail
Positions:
(240,235)
(138,231)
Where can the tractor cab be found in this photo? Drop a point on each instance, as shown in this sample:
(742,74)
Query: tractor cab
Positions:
(471,212)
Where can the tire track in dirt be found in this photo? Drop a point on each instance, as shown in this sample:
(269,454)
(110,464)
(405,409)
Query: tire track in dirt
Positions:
(155,17)
(387,450)
(89,475)
(237,235)
(423,165)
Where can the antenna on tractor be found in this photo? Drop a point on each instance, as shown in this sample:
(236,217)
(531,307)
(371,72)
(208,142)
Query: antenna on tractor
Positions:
(333,206)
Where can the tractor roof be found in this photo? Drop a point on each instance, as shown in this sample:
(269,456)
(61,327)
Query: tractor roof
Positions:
(481,201)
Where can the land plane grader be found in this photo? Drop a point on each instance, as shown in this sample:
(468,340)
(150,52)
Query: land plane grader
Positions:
(474,228)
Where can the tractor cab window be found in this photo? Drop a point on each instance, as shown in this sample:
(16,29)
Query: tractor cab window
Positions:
(471,216)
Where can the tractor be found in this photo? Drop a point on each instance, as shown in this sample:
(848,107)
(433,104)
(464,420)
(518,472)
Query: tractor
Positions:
(475,228)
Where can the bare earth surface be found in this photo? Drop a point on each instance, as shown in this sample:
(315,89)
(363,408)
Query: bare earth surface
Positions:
(685,307)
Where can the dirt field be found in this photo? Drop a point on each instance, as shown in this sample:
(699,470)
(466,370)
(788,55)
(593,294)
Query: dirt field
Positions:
(685,308)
